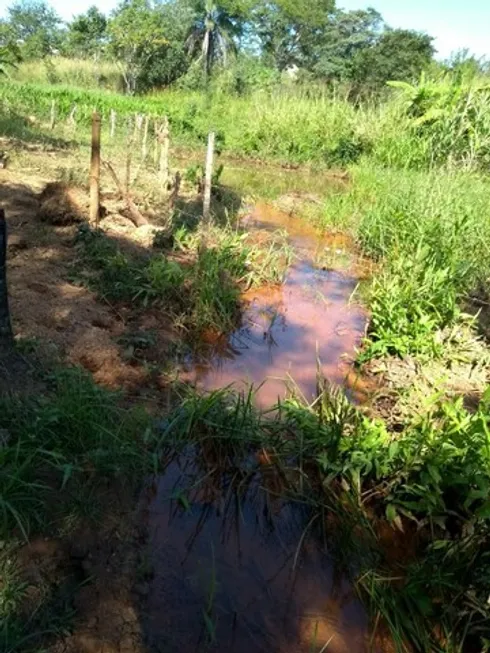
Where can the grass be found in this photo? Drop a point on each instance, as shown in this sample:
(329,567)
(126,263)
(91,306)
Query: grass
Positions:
(76,429)
(442,122)
(81,73)
(202,290)
(58,447)
(418,205)
(431,482)
(430,234)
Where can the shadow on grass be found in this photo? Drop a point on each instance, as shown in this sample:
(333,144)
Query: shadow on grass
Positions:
(24,132)
(225,206)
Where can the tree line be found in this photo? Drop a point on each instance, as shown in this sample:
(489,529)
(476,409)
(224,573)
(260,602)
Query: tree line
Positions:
(250,43)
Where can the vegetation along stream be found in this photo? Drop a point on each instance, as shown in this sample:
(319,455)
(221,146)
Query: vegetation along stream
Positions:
(244,395)
(238,565)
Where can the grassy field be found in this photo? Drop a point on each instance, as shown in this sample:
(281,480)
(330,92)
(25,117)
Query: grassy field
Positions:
(440,123)
(79,73)
(418,205)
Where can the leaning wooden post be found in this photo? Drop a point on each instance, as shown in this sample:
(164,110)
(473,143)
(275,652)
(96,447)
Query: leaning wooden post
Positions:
(164,154)
(6,336)
(95,170)
(113,123)
(53,115)
(208,180)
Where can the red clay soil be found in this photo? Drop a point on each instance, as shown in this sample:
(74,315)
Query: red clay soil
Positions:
(69,322)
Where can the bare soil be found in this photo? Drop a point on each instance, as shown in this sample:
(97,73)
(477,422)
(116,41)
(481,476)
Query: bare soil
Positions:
(94,569)
(89,579)
(68,321)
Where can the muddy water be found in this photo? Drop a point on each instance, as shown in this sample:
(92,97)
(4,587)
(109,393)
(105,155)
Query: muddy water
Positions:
(237,566)
(289,332)
(239,569)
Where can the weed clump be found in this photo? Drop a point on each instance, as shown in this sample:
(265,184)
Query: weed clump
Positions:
(53,443)
(199,284)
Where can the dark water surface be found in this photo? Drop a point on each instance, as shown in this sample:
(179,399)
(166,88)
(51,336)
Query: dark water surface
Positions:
(239,569)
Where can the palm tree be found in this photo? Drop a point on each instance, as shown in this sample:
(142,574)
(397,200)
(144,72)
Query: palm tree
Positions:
(213,35)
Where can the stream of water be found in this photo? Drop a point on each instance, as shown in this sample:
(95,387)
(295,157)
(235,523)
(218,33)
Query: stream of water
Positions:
(240,569)
(237,567)
(291,332)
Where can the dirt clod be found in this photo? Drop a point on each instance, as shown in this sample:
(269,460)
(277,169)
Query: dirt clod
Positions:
(60,204)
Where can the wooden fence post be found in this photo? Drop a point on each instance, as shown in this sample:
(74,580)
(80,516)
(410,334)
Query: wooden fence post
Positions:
(129,153)
(95,170)
(156,129)
(144,147)
(6,336)
(113,123)
(208,180)
(164,154)
(138,124)
(72,119)
(53,115)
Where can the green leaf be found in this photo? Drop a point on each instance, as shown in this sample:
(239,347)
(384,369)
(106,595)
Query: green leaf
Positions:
(391,512)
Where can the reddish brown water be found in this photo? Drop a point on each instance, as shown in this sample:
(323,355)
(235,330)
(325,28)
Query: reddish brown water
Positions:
(239,569)
(288,332)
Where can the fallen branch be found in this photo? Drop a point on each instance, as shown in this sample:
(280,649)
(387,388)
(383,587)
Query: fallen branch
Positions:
(136,216)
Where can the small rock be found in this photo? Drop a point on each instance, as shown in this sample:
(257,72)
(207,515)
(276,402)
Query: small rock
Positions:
(16,243)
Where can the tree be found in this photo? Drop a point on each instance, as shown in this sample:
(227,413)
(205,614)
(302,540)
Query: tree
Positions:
(137,38)
(87,33)
(35,27)
(9,57)
(215,31)
(346,34)
(288,31)
(170,61)
(398,54)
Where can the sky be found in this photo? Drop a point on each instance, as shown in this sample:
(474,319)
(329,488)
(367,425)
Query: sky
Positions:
(455,24)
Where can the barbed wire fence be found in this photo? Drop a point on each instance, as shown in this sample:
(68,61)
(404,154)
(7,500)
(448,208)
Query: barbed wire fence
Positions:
(132,150)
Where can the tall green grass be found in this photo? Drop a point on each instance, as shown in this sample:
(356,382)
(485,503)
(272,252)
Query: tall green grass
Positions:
(424,126)
(417,127)
(441,122)
(430,233)
(79,73)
